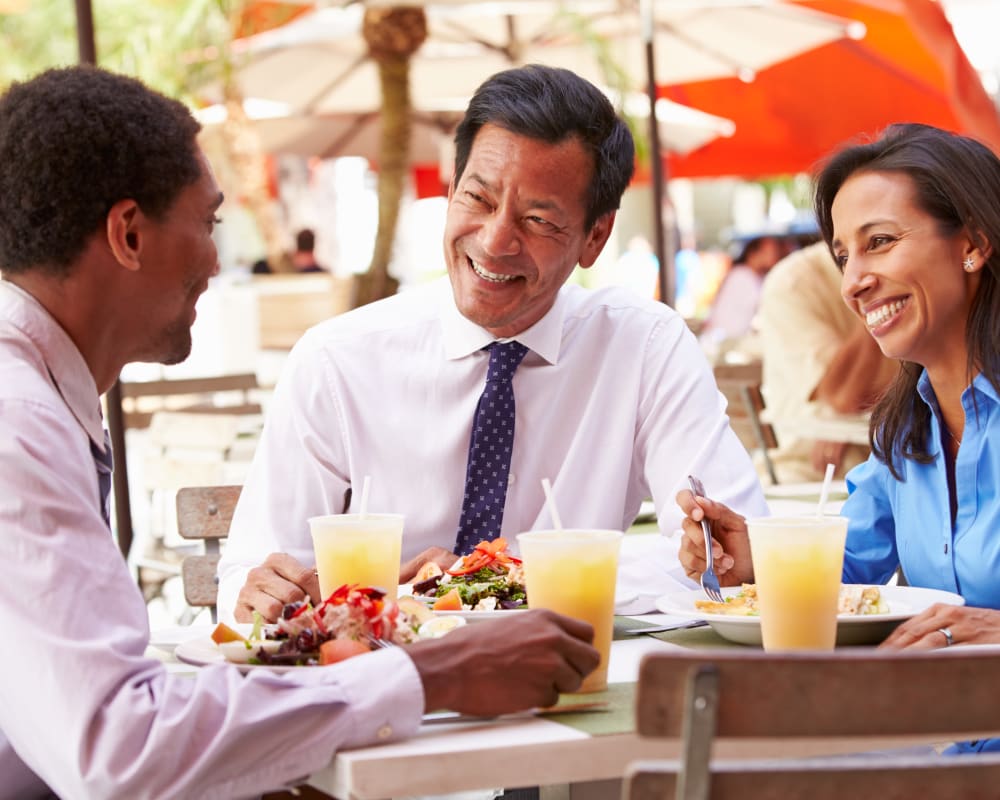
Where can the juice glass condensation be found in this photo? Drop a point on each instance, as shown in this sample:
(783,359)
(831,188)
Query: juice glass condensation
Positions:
(573,572)
(364,550)
(797,564)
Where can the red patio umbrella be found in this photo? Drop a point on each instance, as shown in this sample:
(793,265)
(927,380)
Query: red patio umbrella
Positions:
(908,68)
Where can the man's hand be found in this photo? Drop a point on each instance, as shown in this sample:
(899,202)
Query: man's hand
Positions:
(501,666)
(730,544)
(443,558)
(279,580)
(965,623)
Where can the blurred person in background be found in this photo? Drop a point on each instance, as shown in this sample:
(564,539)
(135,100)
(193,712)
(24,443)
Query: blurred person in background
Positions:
(304,257)
(819,362)
(736,301)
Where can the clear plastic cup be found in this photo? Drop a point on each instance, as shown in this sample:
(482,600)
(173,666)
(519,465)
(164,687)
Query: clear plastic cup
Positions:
(797,564)
(354,549)
(573,572)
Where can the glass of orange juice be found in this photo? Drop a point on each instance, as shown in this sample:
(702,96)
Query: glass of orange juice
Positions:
(797,564)
(354,548)
(573,572)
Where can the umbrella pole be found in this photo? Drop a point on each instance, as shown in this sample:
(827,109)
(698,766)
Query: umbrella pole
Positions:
(664,259)
(87,47)
(85,42)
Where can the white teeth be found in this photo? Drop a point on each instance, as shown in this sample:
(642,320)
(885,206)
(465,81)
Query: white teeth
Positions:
(882,313)
(482,272)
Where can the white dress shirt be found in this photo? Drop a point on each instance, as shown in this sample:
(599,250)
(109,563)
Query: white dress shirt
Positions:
(615,403)
(82,712)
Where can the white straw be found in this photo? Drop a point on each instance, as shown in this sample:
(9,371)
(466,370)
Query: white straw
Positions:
(364,495)
(553,511)
(825,491)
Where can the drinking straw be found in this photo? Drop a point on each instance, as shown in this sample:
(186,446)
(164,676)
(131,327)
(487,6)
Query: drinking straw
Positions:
(825,490)
(553,511)
(364,495)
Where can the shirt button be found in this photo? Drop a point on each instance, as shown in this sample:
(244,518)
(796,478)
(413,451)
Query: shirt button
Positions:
(510,478)
(384,732)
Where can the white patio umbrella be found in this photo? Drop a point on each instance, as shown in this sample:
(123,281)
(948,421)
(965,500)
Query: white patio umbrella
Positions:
(682,129)
(319,61)
(336,134)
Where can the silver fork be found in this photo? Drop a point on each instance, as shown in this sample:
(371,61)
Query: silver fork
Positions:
(378,643)
(709,580)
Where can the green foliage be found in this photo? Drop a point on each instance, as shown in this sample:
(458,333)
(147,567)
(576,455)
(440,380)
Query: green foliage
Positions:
(172,45)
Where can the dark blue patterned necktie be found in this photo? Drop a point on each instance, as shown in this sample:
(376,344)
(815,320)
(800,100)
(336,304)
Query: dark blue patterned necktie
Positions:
(489,450)
(104,463)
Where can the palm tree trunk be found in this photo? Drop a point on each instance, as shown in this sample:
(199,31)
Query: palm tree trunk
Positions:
(393,35)
(394,160)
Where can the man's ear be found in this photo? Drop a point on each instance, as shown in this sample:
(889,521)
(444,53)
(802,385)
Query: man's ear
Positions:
(124,235)
(597,237)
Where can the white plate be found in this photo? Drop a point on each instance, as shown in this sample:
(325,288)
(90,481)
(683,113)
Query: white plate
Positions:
(904,602)
(202,652)
(622,600)
(168,638)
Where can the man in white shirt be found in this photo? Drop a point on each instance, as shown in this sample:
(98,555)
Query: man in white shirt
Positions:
(614,401)
(107,207)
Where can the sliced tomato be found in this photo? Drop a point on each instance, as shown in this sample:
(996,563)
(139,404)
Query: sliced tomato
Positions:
(452,601)
(338,649)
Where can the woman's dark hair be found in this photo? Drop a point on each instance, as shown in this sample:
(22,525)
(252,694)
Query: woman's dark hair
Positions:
(552,105)
(75,141)
(957,181)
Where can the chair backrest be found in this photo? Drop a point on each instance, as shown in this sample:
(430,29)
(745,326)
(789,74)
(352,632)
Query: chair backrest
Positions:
(862,698)
(204,513)
(214,395)
(186,448)
(740,385)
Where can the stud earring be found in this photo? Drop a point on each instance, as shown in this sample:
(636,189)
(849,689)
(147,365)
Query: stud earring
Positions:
(969,264)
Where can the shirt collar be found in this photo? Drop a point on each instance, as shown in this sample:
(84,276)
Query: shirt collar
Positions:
(462,337)
(66,366)
(980,384)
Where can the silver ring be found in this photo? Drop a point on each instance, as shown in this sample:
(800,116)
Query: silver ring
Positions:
(949,640)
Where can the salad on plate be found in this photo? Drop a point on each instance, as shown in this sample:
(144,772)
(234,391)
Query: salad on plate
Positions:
(487,579)
(351,621)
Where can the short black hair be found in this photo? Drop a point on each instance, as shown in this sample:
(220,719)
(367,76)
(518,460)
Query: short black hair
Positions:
(552,105)
(73,142)
(305,240)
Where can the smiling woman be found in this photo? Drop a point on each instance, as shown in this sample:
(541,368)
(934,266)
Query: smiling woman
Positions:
(913,220)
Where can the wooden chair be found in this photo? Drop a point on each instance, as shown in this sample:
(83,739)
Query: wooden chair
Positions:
(854,696)
(184,448)
(740,384)
(204,513)
(141,399)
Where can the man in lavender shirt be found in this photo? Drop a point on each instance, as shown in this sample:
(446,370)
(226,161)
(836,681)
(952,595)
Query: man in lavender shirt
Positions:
(107,208)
